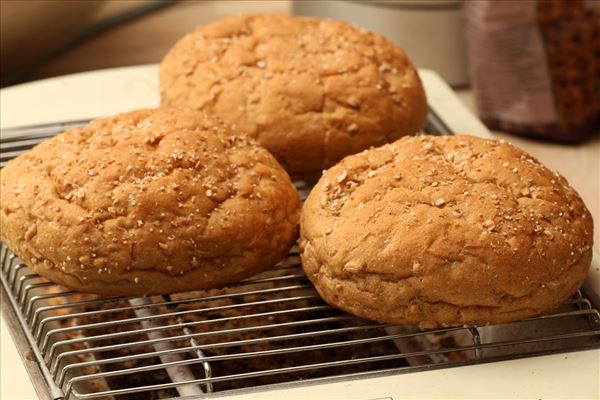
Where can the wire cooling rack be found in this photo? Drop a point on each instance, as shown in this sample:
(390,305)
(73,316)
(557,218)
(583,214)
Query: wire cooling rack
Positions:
(269,330)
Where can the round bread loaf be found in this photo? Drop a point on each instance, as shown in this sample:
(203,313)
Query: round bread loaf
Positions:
(311,91)
(445,231)
(148,202)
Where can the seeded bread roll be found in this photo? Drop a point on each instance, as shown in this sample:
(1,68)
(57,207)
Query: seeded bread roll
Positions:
(445,231)
(311,91)
(148,202)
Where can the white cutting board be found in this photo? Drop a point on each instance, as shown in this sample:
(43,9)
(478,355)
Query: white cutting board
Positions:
(106,92)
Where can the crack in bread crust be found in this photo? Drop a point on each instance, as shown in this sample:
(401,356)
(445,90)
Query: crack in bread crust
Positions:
(151,201)
(459,221)
(311,91)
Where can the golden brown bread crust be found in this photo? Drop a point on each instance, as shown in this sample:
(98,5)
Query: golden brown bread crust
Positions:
(443,231)
(311,91)
(147,202)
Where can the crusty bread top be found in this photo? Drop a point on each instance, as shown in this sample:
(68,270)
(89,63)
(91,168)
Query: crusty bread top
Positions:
(311,91)
(457,220)
(158,189)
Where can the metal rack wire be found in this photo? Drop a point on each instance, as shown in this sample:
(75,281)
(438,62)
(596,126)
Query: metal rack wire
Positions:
(271,329)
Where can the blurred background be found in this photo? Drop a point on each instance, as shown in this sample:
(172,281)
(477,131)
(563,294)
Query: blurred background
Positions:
(534,65)
(44,38)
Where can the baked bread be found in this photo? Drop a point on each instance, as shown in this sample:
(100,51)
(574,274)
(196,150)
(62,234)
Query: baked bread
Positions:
(148,202)
(311,91)
(445,231)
